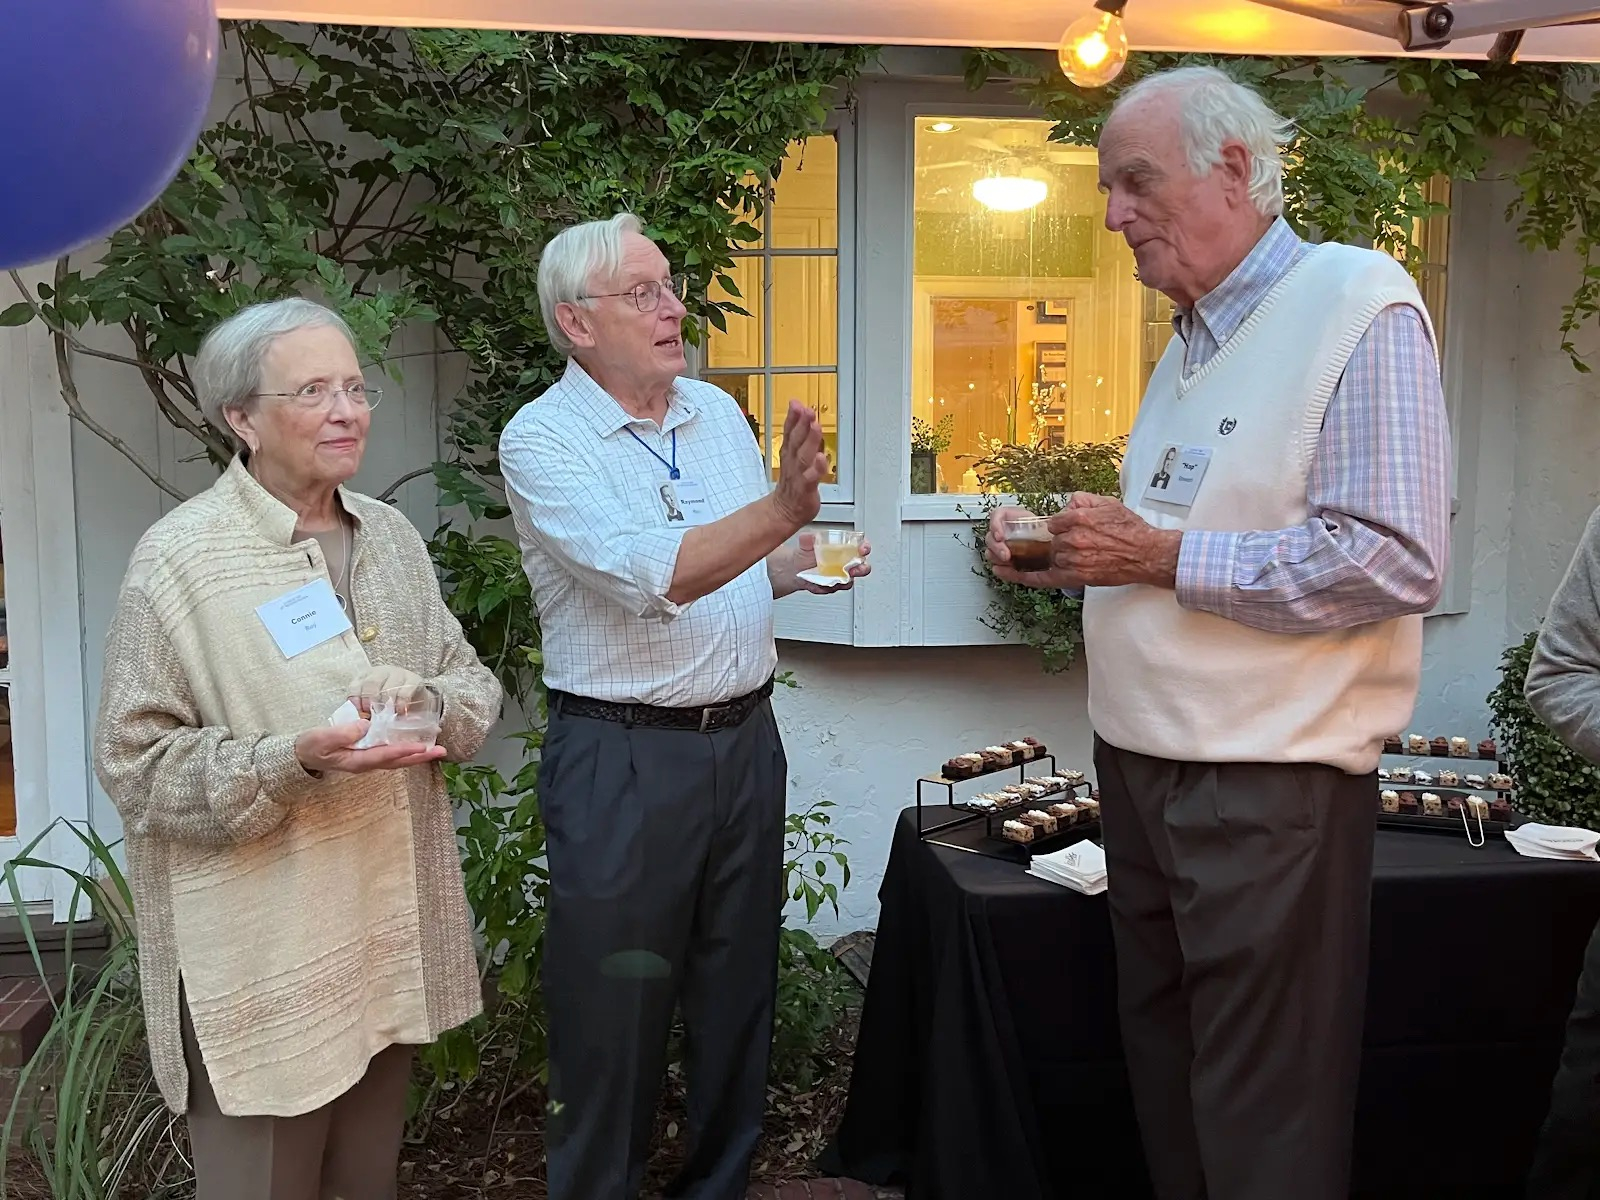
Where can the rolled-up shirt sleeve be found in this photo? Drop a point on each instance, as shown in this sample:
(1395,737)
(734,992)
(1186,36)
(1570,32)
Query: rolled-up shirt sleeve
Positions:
(561,504)
(1380,488)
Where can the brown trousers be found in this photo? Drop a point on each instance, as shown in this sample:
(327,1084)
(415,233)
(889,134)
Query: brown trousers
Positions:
(1239,897)
(348,1149)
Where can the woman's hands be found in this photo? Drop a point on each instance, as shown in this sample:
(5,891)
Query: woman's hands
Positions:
(370,684)
(332,748)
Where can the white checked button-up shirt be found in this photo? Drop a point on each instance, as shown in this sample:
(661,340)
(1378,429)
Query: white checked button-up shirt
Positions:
(600,552)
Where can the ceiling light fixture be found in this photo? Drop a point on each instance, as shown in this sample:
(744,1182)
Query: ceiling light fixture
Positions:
(1009,193)
(1094,48)
(942,127)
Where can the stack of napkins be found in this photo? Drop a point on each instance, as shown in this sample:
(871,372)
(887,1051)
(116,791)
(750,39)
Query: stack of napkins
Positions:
(1081,867)
(1554,841)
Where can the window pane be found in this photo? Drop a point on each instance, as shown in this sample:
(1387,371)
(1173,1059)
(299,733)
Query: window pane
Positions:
(741,345)
(1028,324)
(804,211)
(805,312)
(749,392)
(820,392)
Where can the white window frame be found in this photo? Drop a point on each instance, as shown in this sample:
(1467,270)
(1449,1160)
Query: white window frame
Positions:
(838,496)
(1476,219)
(44,614)
(887,115)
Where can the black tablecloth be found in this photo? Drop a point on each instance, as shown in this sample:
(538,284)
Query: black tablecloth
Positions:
(989,1063)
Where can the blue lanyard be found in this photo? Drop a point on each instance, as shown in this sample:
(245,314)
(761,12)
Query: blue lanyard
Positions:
(672,467)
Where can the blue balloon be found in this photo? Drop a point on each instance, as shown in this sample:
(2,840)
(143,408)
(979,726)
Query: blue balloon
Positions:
(101,101)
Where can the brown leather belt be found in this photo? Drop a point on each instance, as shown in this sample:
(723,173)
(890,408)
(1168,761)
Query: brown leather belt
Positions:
(708,719)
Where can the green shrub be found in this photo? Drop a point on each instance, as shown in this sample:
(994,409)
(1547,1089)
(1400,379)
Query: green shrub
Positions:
(1554,782)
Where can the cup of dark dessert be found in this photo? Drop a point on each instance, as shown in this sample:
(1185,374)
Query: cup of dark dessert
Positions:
(1028,542)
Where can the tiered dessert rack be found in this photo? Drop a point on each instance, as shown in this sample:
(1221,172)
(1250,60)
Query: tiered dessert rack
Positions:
(992,843)
(1494,812)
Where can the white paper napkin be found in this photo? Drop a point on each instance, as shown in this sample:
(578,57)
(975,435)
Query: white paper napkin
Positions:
(1555,841)
(377,732)
(1081,867)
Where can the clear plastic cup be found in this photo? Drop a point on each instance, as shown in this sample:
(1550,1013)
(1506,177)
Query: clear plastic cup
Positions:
(414,715)
(1028,541)
(836,549)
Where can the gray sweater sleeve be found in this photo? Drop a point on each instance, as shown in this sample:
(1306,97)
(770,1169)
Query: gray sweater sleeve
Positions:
(1564,677)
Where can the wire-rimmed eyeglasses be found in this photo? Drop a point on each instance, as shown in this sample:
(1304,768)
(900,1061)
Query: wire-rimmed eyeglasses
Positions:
(647,295)
(322,395)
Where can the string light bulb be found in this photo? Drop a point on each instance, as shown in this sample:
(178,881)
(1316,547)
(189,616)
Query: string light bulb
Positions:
(1094,48)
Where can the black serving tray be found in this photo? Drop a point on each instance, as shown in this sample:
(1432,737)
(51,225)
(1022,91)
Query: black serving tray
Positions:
(1024,802)
(1061,838)
(1448,824)
(948,782)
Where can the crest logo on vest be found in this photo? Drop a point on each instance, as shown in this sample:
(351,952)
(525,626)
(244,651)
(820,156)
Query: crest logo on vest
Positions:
(1228,426)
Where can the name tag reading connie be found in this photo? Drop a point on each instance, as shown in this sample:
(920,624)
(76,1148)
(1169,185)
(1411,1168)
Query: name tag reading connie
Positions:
(305,618)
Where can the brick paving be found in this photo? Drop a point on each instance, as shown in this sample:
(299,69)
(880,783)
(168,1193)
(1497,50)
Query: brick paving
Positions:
(823,1189)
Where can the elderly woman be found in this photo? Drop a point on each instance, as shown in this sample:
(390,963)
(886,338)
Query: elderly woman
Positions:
(302,921)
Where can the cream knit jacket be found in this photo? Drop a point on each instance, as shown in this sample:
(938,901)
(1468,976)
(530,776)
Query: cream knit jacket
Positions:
(313,921)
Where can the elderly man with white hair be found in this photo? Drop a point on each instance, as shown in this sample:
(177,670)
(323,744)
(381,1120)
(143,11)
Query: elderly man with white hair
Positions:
(1253,632)
(655,546)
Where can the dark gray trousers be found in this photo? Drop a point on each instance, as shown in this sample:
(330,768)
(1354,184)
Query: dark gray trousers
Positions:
(1567,1164)
(666,889)
(1240,896)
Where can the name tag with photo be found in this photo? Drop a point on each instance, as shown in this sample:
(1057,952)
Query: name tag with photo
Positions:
(305,618)
(685,502)
(1178,473)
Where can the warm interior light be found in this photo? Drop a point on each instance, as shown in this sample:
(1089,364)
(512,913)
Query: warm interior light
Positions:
(1094,49)
(941,127)
(1009,193)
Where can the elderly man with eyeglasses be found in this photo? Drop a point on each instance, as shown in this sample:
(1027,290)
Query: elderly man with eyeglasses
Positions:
(655,545)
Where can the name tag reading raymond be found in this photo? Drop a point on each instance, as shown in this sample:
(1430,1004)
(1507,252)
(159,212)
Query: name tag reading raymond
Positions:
(305,618)
(1179,471)
(685,502)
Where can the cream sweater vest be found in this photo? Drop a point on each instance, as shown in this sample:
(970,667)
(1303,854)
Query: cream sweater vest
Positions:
(1194,687)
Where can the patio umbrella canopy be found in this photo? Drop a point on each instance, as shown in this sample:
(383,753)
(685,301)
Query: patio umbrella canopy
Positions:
(1215,26)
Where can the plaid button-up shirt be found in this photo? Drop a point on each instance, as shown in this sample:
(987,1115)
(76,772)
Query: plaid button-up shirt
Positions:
(1378,541)
(583,480)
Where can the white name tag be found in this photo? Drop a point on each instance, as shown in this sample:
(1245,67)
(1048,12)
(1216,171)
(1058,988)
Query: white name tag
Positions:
(304,618)
(684,502)
(1178,473)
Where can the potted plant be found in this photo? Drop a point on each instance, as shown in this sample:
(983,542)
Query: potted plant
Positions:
(928,441)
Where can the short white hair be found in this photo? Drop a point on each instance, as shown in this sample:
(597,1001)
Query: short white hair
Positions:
(572,259)
(1214,109)
(227,371)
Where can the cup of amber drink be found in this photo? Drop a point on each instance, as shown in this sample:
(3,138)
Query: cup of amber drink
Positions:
(836,549)
(1028,542)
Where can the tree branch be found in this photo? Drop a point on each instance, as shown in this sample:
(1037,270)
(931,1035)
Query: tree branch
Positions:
(388,492)
(69,387)
(216,448)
